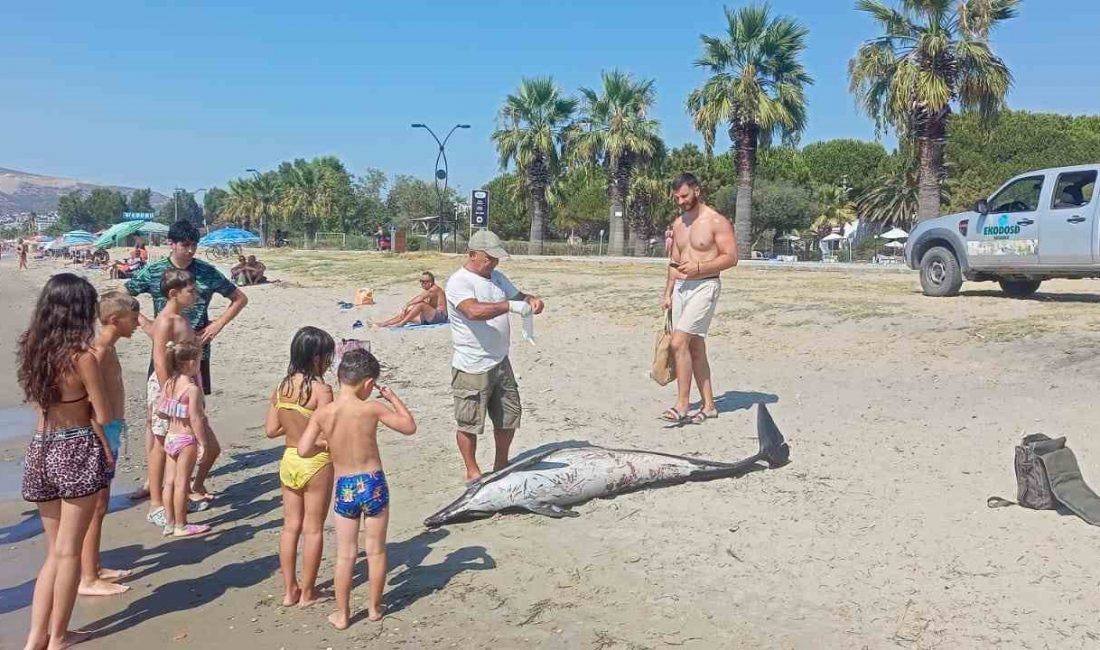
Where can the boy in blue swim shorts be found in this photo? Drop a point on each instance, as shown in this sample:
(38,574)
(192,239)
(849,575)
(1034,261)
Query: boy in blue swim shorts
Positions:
(118,318)
(348,429)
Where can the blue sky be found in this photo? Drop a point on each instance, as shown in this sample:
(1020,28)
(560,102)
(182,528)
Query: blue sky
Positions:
(186,94)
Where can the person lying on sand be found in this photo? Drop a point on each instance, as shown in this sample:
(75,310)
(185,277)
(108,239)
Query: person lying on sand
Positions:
(429,307)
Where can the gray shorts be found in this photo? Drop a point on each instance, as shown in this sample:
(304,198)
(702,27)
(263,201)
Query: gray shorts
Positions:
(493,393)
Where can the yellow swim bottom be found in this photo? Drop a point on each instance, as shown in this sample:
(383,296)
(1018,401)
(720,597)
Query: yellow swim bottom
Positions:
(295,471)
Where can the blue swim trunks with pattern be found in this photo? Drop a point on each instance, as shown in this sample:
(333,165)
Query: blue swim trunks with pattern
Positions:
(361,494)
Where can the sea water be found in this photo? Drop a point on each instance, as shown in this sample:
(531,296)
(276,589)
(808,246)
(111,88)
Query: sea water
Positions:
(15,422)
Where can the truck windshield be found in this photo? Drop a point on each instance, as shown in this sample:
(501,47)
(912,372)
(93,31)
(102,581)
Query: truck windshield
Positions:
(1021,195)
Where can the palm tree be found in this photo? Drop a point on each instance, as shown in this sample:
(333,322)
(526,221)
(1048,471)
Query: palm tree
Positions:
(836,209)
(933,54)
(893,199)
(756,87)
(615,133)
(532,128)
(249,200)
(303,194)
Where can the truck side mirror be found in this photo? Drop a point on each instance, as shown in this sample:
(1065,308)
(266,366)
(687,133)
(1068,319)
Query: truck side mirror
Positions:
(982,207)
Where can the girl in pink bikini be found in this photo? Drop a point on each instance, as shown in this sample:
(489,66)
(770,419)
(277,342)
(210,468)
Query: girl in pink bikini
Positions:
(181,404)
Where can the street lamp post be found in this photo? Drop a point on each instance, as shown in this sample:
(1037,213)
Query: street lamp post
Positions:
(441,173)
(203,208)
(263,213)
(177,198)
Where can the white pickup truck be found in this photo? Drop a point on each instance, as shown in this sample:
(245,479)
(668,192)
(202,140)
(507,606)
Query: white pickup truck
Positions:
(1037,226)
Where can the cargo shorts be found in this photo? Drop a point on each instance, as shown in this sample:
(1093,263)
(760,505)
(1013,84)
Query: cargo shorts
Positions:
(493,393)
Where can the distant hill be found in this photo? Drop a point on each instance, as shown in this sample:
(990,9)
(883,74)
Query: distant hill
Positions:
(25,192)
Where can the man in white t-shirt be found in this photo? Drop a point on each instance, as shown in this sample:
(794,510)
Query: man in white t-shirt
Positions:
(479,301)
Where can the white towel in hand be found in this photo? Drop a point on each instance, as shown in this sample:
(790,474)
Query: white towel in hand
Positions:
(529,328)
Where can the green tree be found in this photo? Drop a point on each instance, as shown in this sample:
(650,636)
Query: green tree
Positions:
(507,207)
(532,128)
(369,205)
(844,161)
(411,198)
(105,207)
(837,209)
(616,133)
(689,158)
(933,54)
(251,201)
(140,201)
(756,86)
(984,156)
(579,201)
(189,210)
(73,214)
(651,206)
(213,203)
(783,163)
(779,206)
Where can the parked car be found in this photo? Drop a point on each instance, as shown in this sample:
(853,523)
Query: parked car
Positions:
(1038,226)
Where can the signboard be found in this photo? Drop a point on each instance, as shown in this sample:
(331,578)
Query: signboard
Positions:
(479,209)
(137,216)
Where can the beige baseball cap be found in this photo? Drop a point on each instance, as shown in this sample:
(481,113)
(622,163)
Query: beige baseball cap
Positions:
(488,242)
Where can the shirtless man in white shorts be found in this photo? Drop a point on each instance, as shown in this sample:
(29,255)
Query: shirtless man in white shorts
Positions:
(703,245)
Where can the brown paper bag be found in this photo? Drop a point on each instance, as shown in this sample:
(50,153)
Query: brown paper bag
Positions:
(664,368)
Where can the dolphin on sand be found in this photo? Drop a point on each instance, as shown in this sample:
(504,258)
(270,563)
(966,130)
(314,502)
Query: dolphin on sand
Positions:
(549,480)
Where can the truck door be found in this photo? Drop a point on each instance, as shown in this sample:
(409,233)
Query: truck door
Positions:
(1066,227)
(1008,236)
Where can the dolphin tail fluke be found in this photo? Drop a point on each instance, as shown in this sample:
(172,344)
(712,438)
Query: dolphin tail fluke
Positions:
(773,448)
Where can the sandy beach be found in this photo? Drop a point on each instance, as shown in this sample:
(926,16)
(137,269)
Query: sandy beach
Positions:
(901,412)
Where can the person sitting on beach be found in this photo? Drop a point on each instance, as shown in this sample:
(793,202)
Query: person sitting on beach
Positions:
(429,307)
(255,270)
(237,272)
(350,426)
(307,482)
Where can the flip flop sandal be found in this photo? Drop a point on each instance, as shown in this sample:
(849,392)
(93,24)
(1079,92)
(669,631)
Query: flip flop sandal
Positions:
(190,530)
(674,416)
(157,517)
(197,505)
(699,416)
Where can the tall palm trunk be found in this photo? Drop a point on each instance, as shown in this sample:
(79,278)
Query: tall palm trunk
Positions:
(617,187)
(746,138)
(538,181)
(638,239)
(931,166)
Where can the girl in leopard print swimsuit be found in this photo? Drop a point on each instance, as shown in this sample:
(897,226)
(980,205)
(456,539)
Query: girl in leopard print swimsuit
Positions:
(67,459)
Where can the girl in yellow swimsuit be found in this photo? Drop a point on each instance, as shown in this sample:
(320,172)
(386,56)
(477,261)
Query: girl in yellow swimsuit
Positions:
(307,482)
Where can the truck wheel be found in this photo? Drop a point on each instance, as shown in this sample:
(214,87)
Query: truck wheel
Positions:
(939,273)
(1019,288)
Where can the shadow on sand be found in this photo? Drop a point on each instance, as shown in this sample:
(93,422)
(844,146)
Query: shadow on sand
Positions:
(240,502)
(419,580)
(1085,298)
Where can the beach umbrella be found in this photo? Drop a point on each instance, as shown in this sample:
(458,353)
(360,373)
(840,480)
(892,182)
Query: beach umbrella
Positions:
(116,232)
(896,233)
(229,235)
(152,228)
(832,237)
(895,245)
(74,237)
(56,244)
